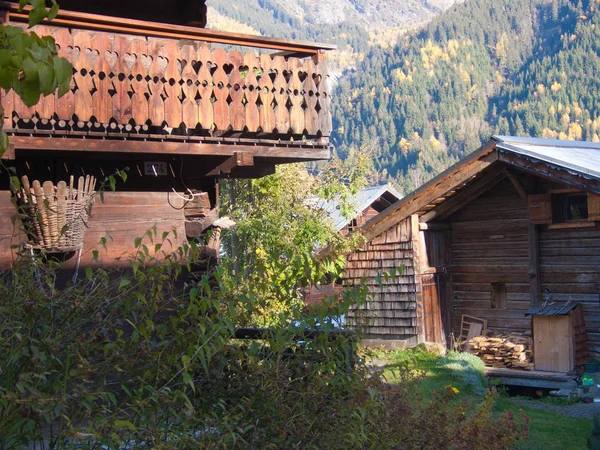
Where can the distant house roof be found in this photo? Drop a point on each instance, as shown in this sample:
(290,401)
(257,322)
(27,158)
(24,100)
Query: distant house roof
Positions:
(361,201)
(574,163)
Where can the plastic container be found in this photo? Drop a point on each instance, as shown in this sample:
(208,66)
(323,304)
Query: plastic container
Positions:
(591,367)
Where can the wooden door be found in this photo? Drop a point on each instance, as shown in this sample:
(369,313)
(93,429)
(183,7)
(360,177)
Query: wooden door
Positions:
(553,343)
(433,285)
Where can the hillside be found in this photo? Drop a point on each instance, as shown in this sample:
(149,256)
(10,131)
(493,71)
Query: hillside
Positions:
(526,68)
(427,97)
(353,25)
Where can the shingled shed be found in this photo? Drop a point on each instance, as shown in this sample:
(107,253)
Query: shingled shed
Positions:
(486,238)
(558,336)
(391,313)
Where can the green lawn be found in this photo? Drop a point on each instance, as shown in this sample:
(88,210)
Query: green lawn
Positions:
(550,431)
(547,430)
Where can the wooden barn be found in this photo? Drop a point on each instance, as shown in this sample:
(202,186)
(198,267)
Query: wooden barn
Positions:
(512,226)
(170,102)
(367,203)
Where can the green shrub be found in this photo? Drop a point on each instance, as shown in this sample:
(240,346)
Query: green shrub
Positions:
(145,357)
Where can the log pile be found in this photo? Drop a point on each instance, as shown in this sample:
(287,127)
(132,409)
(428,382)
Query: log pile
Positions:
(511,350)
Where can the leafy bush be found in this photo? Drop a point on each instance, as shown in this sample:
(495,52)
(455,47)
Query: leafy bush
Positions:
(145,357)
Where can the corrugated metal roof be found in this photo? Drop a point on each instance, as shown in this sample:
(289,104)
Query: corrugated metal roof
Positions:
(579,156)
(361,201)
(553,309)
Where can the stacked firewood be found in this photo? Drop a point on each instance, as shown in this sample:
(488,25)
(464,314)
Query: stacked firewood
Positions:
(511,350)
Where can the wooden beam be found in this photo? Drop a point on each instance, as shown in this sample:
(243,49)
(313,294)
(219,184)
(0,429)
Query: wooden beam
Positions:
(239,159)
(257,171)
(435,226)
(534,273)
(99,22)
(102,145)
(517,184)
(416,248)
(412,203)
(466,195)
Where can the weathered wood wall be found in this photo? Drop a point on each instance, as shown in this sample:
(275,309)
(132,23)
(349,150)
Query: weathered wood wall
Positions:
(490,245)
(570,266)
(392,311)
(123,216)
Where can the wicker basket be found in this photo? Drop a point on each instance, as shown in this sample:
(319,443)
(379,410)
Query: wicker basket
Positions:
(55,217)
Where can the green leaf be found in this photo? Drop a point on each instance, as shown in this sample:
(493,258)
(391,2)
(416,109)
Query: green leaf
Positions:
(20,43)
(89,273)
(124,282)
(95,255)
(3,142)
(53,10)
(63,69)
(8,77)
(36,15)
(137,241)
(47,81)
(122,424)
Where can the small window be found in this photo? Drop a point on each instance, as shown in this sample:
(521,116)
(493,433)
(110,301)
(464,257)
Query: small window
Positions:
(353,225)
(499,295)
(569,208)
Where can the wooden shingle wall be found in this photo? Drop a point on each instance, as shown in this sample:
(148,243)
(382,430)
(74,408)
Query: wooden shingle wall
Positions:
(490,245)
(391,312)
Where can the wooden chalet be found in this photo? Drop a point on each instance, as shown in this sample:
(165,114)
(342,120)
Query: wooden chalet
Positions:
(512,226)
(173,103)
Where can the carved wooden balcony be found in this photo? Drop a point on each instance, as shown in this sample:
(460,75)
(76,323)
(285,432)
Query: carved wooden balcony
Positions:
(148,83)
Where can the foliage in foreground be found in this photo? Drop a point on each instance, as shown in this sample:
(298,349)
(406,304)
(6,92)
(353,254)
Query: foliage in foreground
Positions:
(145,359)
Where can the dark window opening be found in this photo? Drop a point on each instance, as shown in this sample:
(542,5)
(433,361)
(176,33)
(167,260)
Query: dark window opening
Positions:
(499,295)
(353,225)
(569,208)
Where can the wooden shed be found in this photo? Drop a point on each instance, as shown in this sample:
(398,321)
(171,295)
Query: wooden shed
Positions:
(558,336)
(486,238)
(367,203)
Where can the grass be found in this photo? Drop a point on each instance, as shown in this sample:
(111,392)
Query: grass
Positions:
(547,430)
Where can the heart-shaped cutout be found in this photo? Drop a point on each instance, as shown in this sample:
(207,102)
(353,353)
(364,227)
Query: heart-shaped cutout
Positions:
(147,61)
(73,53)
(163,63)
(130,60)
(111,58)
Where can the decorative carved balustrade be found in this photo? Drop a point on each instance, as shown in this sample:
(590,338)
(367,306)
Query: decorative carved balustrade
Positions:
(127,82)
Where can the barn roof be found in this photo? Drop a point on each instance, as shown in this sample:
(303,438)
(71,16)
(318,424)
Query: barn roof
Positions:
(574,163)
(361,201)
(579,156)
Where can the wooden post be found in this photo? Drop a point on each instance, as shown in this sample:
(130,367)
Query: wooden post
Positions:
(415,238)
(535,280)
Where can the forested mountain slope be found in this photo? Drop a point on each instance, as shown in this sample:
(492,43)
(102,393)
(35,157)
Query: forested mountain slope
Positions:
(426,97)
(525,67)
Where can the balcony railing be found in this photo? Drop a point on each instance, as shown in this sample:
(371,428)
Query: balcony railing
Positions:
(134,77)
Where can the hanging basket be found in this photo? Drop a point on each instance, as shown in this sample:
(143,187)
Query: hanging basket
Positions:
(55,217)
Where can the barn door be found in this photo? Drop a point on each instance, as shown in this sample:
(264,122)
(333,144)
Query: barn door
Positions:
(434,288)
